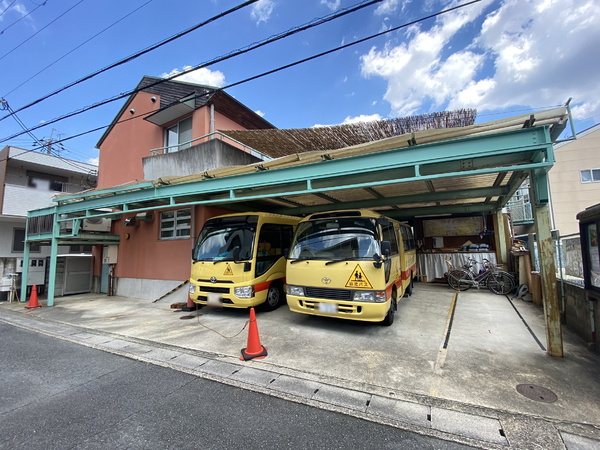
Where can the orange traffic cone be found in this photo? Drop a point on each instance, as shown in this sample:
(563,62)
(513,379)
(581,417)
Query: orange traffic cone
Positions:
(254,349)
(191,306)
(33,300)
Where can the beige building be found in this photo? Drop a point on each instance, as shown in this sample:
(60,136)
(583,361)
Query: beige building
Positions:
(575,179)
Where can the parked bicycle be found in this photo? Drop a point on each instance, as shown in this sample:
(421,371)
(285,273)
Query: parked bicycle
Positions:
(496,280)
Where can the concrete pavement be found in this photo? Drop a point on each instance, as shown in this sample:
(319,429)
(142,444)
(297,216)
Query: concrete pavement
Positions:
(450,366)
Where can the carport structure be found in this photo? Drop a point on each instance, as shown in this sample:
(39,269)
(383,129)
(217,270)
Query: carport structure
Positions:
(458,171)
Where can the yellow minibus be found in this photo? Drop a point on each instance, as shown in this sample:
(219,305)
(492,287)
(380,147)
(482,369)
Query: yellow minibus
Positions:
(239,260)
(350,264)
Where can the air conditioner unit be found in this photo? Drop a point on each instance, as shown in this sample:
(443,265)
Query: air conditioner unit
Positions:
(96,224)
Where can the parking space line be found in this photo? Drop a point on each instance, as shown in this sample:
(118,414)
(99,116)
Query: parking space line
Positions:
(526,324)
(441,359)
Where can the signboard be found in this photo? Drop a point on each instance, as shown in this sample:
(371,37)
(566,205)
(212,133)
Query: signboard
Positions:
(456,226)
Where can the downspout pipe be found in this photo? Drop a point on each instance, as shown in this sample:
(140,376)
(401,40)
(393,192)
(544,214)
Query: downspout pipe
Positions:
(211,125)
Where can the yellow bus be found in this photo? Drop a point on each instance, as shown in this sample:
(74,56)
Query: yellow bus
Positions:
(350,264)
(239,260)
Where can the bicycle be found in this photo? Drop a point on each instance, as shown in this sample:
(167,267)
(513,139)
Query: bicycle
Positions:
(496,280)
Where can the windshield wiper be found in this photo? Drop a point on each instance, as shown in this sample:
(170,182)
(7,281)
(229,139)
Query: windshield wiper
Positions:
(293,261)
(333,261)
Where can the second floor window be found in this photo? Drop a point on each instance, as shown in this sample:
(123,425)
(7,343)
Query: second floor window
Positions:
(590,176)
(178,136)
(46,182)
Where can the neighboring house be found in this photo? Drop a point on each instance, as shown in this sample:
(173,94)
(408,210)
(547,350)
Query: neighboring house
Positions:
(29,180)
(164,129)
(575,179)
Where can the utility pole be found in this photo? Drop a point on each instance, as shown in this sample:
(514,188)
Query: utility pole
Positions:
(50,146)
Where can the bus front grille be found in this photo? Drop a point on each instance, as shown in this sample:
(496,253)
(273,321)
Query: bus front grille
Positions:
(219,290)
(329,294)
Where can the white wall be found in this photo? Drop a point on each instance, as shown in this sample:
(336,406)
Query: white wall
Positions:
(18,200)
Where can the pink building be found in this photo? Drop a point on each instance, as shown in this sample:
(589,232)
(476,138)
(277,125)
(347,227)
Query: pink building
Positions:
(164,129)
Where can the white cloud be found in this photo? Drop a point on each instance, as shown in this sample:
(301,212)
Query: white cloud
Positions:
(361,118)
(331,4)
(262,10)
(357,119)
(390,6)
(523,52)
(93,161)
(199,76)
(260,113)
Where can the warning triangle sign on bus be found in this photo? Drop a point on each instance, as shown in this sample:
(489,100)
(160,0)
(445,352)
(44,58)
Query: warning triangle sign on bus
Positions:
(228,270)
(358,279)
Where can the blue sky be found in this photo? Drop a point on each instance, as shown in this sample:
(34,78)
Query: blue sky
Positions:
(503,58)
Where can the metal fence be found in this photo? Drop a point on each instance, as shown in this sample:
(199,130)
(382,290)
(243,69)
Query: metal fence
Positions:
(569,259)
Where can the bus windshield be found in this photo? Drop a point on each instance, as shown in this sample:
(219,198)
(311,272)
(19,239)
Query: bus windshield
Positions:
(336,239)
(223,241)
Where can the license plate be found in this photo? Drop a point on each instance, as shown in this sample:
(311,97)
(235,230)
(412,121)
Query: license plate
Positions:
(328,307)
(214,300)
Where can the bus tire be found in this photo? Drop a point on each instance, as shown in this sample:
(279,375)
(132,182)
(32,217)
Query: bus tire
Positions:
(389,317)
(274,297)
(409,288)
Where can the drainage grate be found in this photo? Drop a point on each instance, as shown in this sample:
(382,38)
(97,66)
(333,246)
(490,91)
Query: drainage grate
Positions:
(537,393)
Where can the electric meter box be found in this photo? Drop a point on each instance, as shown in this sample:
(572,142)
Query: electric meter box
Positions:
(109,254)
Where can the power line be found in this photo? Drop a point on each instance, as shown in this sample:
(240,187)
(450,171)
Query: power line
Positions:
(46,143)
(40,30)
(8,7)
(4,106)
(311,24)
(77,47)
(22,17)
(287,66)
(136,55)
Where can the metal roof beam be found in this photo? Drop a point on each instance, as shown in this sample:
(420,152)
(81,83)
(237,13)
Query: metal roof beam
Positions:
(360,171)
(403,199)
(470,208)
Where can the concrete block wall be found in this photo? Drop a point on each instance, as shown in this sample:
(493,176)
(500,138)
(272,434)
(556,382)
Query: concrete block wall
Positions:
(578,314)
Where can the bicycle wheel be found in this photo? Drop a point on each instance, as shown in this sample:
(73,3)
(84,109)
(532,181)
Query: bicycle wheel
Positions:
(461,280)
(500,283)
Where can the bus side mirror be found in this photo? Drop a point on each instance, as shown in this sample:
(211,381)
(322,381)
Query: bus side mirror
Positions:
(236,253)
(386,248)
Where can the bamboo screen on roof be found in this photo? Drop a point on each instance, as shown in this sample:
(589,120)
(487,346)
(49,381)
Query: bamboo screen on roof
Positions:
(281,142)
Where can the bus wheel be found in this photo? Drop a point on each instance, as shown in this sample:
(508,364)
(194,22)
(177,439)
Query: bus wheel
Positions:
(409,288)
(274,297)
(389,318)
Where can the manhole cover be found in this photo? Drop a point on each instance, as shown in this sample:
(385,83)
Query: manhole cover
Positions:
(537,393)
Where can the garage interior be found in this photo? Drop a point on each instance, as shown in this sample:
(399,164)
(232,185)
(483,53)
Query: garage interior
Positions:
(454,172)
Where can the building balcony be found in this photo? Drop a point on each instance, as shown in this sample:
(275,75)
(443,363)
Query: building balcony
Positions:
(199,155)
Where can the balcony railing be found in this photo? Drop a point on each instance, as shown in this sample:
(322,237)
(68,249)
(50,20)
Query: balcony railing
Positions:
(206,138)
(519,207)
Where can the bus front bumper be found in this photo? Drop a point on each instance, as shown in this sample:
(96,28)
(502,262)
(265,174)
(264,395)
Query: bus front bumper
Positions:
(350,310)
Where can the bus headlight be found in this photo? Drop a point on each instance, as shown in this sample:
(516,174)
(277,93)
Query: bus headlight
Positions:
(244,292)
(192,289)
(369,296)
(294,290)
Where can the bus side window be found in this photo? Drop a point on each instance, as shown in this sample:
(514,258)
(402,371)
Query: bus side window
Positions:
(407,239)
(287,235)
(270,247)
(389,234)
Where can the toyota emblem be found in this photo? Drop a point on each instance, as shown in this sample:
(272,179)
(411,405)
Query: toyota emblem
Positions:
(326,280)
(213,279)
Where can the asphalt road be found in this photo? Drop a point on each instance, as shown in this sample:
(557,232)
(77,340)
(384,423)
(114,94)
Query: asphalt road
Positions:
(56,394)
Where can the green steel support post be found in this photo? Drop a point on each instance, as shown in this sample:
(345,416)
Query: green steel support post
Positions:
(52,264)
(25,272)
(548,275)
